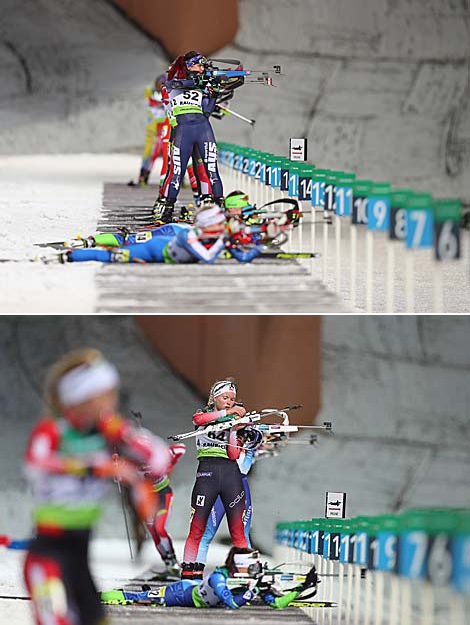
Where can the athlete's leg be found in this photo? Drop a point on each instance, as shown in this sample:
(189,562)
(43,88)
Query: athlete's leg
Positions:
(205,187)
(49,594)
(157,526)
(150,140)
(80,256)
(213,522)
(181,148)
(208,149)
(159,145)
(248,509)
(192,176)
(85,592)
(167,138)
(205,492)
(59,582)
(233,497)
(150,252)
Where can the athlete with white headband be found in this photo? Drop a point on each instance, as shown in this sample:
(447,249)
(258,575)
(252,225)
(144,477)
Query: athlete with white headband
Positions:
(68,459)
(174,243)
(214,591)
(249,440)
(218,474)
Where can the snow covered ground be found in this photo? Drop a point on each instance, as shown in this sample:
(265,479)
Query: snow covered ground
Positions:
(49,198)
(64,196)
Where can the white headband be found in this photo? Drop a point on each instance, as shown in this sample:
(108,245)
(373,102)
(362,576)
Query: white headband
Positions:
(223,387)
(87,381)
(210,216)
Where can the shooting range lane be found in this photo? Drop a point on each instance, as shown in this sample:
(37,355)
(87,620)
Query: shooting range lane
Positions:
(262,286)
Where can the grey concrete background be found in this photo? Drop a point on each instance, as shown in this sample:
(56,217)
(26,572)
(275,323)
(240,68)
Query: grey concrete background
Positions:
(395,388)
(380,87)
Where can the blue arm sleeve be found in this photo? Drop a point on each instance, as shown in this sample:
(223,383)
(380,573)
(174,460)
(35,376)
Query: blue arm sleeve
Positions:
(245,257)
(219,584)
(208,104)
(181,83)
(190,242)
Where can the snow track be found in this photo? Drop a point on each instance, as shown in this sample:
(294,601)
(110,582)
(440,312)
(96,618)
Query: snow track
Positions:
(66,195)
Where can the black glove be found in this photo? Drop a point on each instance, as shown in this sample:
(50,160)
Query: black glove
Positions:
(263,585)
(311,579)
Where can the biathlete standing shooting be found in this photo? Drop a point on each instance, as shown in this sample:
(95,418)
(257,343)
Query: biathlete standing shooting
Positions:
(192,98)
(218,474)
(249,440)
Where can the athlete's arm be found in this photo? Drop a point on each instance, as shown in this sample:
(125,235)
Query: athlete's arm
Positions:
(197,249)
(181,83)
(245,257)
(217,416)
(233,448)
(272,601)
(218,583)
(42,453)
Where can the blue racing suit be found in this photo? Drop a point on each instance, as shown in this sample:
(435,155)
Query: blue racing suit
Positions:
(211,591)
(191,103)
(182,247)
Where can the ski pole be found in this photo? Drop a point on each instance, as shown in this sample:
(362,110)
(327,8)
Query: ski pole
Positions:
(235,114)
(124,514)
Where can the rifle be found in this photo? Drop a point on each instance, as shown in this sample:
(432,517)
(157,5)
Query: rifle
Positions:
(254,417)
(276,576)
(250,417)
(238,73)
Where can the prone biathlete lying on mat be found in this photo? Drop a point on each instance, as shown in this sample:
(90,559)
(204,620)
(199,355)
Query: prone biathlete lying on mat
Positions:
(204,241)
(214,591)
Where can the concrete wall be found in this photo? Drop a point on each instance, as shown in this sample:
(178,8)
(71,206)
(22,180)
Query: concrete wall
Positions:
(380,87)
(397,392)
(73,77)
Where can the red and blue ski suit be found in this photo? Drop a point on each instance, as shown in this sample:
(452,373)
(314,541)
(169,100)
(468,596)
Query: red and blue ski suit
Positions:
(191,104)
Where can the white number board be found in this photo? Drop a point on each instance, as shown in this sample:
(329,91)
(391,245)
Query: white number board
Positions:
(335,505)
(298,150)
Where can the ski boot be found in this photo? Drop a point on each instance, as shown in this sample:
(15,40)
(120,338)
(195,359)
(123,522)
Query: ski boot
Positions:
(163,211)
(173,569)
(192,570)
(113,597)
(206,200)
(198,570)
(79,242)
(56,259)
(144,177)
(187,570)
(186,215)
(197,200)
